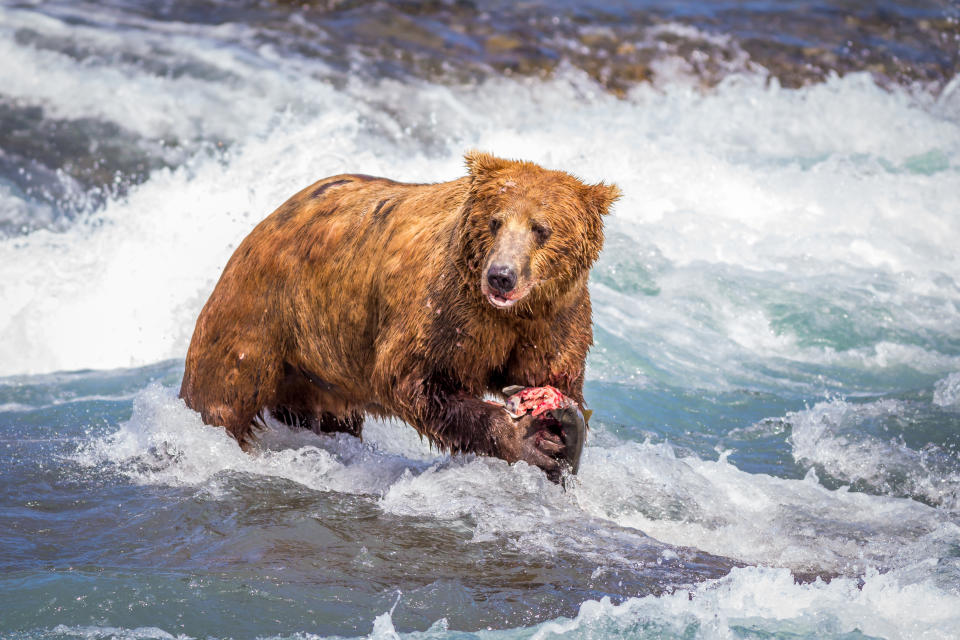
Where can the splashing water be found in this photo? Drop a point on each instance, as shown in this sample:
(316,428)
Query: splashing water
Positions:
(776,374)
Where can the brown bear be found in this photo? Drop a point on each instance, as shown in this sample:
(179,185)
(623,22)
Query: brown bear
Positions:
(361,295)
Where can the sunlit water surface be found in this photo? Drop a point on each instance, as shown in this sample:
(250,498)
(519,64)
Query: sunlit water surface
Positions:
(775,380)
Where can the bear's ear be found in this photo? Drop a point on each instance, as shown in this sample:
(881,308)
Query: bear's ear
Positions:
(598,197)
(481,165)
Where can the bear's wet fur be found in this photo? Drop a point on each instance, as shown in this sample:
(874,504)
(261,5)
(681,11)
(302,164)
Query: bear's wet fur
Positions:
(364,296)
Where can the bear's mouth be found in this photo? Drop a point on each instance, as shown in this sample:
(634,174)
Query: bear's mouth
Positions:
(506,300)
(499,301)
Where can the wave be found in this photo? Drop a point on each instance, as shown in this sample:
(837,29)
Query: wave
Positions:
(863,444)
(946,393)
(644,499)
(757,601)
(749,602)
(746,243)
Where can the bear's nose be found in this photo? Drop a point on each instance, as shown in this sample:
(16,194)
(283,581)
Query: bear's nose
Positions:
(502,278)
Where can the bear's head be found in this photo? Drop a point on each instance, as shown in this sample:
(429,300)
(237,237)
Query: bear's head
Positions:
(528,235)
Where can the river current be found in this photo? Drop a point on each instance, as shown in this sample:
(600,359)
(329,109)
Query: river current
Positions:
(775,446)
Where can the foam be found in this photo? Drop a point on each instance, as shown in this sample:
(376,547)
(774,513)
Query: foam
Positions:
(832,436)
(750,212)
(208,103)
(642,500)
(761,601)
(749,602)
(710,181)
(166,443)
(639,497)
(759,519)
(946,392)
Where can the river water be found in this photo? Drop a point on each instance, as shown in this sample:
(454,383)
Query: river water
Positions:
(775,448)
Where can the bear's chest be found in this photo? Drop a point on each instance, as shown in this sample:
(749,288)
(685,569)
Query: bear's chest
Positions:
(481,347)
(485,355)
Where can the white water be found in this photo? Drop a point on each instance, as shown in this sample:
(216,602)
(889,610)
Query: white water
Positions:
(623,487)
(748,601)
(767,239)
(832,435)
(769,600)
(840,194)
(685,501)
(946,393)
(754,600)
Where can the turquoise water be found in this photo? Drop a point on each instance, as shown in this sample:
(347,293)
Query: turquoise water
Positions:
(775,449)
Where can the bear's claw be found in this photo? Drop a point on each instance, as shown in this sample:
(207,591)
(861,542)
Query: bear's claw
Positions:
(555,428)
(573,428)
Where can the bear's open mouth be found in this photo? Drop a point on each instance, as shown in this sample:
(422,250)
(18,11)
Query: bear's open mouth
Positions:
(501,302)
(505,301)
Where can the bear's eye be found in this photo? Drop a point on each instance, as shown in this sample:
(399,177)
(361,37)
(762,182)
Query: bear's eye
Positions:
(494,226)
(541,232)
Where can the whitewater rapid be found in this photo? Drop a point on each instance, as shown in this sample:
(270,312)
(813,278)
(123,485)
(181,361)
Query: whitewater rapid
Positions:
(775,379)
(636,506)
(821,197)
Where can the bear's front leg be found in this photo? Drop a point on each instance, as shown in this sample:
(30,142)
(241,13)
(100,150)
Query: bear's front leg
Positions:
(461,423)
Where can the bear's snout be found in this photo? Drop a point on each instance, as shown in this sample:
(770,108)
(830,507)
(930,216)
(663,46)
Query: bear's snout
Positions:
(501,278)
